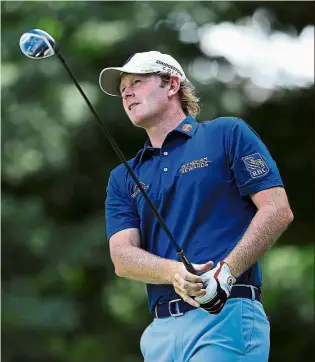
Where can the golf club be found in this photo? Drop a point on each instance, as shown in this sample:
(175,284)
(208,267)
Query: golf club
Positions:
(37,44)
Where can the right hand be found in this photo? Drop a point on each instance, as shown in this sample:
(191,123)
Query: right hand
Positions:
(189,285)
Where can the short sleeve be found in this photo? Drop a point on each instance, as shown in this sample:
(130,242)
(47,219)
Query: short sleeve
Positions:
(254,168)
(120,211)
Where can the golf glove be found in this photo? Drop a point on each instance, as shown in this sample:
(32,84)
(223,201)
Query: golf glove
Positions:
(218,282)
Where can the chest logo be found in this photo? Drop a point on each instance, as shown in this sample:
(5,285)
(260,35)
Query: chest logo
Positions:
(136,191)
(192,165)
(187,127)
(255,165)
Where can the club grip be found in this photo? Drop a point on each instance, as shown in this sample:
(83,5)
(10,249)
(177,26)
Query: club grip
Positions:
(186,262)
(188,265)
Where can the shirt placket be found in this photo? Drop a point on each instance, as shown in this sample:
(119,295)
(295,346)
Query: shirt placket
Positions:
(166,169)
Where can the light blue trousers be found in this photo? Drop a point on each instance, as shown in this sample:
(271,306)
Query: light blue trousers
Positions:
(240,332)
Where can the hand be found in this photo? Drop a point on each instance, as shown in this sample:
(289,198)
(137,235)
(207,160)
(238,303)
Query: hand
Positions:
(219,282)
(188,285)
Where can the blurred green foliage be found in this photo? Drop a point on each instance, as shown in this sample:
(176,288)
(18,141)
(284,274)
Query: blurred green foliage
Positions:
(61,300)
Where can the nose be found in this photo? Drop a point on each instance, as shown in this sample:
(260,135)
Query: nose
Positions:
(127,92)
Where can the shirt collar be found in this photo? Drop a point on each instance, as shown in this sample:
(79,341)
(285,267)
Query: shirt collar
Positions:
(146,151)
(188,127)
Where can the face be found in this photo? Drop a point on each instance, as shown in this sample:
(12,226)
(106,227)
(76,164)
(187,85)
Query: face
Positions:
(144,99)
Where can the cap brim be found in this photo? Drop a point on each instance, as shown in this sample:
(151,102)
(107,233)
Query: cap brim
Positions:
(110,79)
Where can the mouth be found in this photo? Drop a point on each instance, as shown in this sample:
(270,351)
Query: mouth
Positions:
(133,105)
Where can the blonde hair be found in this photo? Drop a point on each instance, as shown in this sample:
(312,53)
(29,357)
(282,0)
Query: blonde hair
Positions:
(187,94)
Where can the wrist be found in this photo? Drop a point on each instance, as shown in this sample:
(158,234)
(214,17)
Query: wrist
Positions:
(234,270)
(172,269)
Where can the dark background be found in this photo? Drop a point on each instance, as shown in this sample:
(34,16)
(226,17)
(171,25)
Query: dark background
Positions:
(61,300)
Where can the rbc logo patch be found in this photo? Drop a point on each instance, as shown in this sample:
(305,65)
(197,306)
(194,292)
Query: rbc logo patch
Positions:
(255,165)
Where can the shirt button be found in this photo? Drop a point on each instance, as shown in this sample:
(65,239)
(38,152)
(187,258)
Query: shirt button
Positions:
(165,169)
(165,153)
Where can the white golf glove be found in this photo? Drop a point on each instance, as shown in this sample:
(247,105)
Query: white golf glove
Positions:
(218,282)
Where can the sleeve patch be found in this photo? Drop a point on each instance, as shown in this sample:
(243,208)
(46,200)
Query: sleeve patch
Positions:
(255,165)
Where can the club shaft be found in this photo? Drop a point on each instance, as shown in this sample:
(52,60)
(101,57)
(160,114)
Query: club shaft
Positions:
(121,156)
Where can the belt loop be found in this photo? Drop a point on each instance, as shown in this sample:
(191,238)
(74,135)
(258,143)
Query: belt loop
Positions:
(253,292)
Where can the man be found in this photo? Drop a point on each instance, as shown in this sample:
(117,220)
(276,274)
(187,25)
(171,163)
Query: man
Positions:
(219,191)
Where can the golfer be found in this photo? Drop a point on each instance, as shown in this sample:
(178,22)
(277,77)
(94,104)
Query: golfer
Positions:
(220,193)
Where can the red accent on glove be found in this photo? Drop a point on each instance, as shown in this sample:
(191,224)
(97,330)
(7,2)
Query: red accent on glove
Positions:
(216,274)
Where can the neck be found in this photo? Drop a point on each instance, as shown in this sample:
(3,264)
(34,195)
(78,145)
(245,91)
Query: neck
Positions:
(160,129)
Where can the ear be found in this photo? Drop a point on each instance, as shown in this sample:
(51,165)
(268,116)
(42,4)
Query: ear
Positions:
(174,85)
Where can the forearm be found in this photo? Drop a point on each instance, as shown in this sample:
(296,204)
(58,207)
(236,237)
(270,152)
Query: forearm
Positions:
(265,228)
(135,263)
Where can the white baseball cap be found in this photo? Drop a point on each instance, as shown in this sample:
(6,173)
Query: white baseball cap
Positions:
(140,63)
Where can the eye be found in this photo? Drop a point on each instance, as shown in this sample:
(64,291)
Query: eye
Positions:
(136,81)
(122,90)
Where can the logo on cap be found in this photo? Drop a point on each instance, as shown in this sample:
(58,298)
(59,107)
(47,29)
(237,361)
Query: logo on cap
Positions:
(169,68)
(187,127)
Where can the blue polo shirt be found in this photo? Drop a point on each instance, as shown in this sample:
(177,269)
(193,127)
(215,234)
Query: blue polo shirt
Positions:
(200,180)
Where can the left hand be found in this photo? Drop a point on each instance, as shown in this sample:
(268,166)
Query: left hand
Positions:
(189,285)
(218,283)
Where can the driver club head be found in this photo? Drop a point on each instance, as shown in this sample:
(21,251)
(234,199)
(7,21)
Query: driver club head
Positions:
(37,44)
